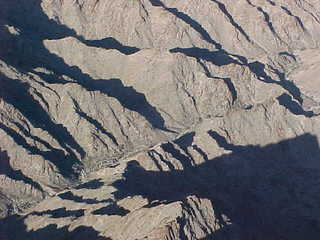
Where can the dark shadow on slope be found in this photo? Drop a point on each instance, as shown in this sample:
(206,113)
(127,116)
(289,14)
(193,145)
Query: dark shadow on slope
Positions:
(29,45)
(266,19)
(294,107)
(227,81)
(112,209)
(94,122)
(222,57)
(64,163)
(129,98)
(30,19)
(286,53)
(219,57)
(224,144)
(188,20)
(37,139)
(17,230)
(269,192)
(110,43)
(17,175)
(155,156)
(60,213)
(298,19)
(184,159)
(70,196)
(228,232)
(17,93)
(259,69)
(185,140)
(222,7)
(93,184)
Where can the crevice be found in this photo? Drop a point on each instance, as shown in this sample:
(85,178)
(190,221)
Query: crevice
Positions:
(93,121)
(298,19)
(299,3)
(218,58)
(222,7)
(64,163)
(185,141)
(185,160)
(17,94)
(162,159)
(267,20)
(128,98)
(188,20)
(227,81)
(34,138)
(155,160)
(258,68)
(17,175)
(201,152)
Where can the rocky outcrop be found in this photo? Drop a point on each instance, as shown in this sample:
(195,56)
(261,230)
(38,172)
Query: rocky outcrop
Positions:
(191,119)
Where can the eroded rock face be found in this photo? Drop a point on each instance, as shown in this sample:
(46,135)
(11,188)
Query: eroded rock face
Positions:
(181,115)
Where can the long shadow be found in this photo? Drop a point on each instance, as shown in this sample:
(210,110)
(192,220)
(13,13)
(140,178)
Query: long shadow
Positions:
(259,69)
(112,209)
(60,213)
(224,144)
(70,196)
(269,192)
(29,45)
(110,43)
(219,57)
(266,19)
(93,121)
(222,57)
(6,169)
(184,159)
(19,231)
(16,93)
(188,20)
(185,140)
(222,7)
(93,184)
(287,101)
(32,22)
(298,19)
(65,163)
(129,98)
(227,81)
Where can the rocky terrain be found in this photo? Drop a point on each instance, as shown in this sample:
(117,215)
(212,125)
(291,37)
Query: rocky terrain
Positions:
(156,119)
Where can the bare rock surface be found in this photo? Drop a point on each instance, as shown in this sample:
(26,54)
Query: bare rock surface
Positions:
(153,119)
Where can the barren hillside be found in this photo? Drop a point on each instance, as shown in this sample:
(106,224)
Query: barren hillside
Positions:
(149,119)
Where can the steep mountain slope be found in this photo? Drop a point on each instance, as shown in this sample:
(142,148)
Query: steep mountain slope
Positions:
(192,119)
